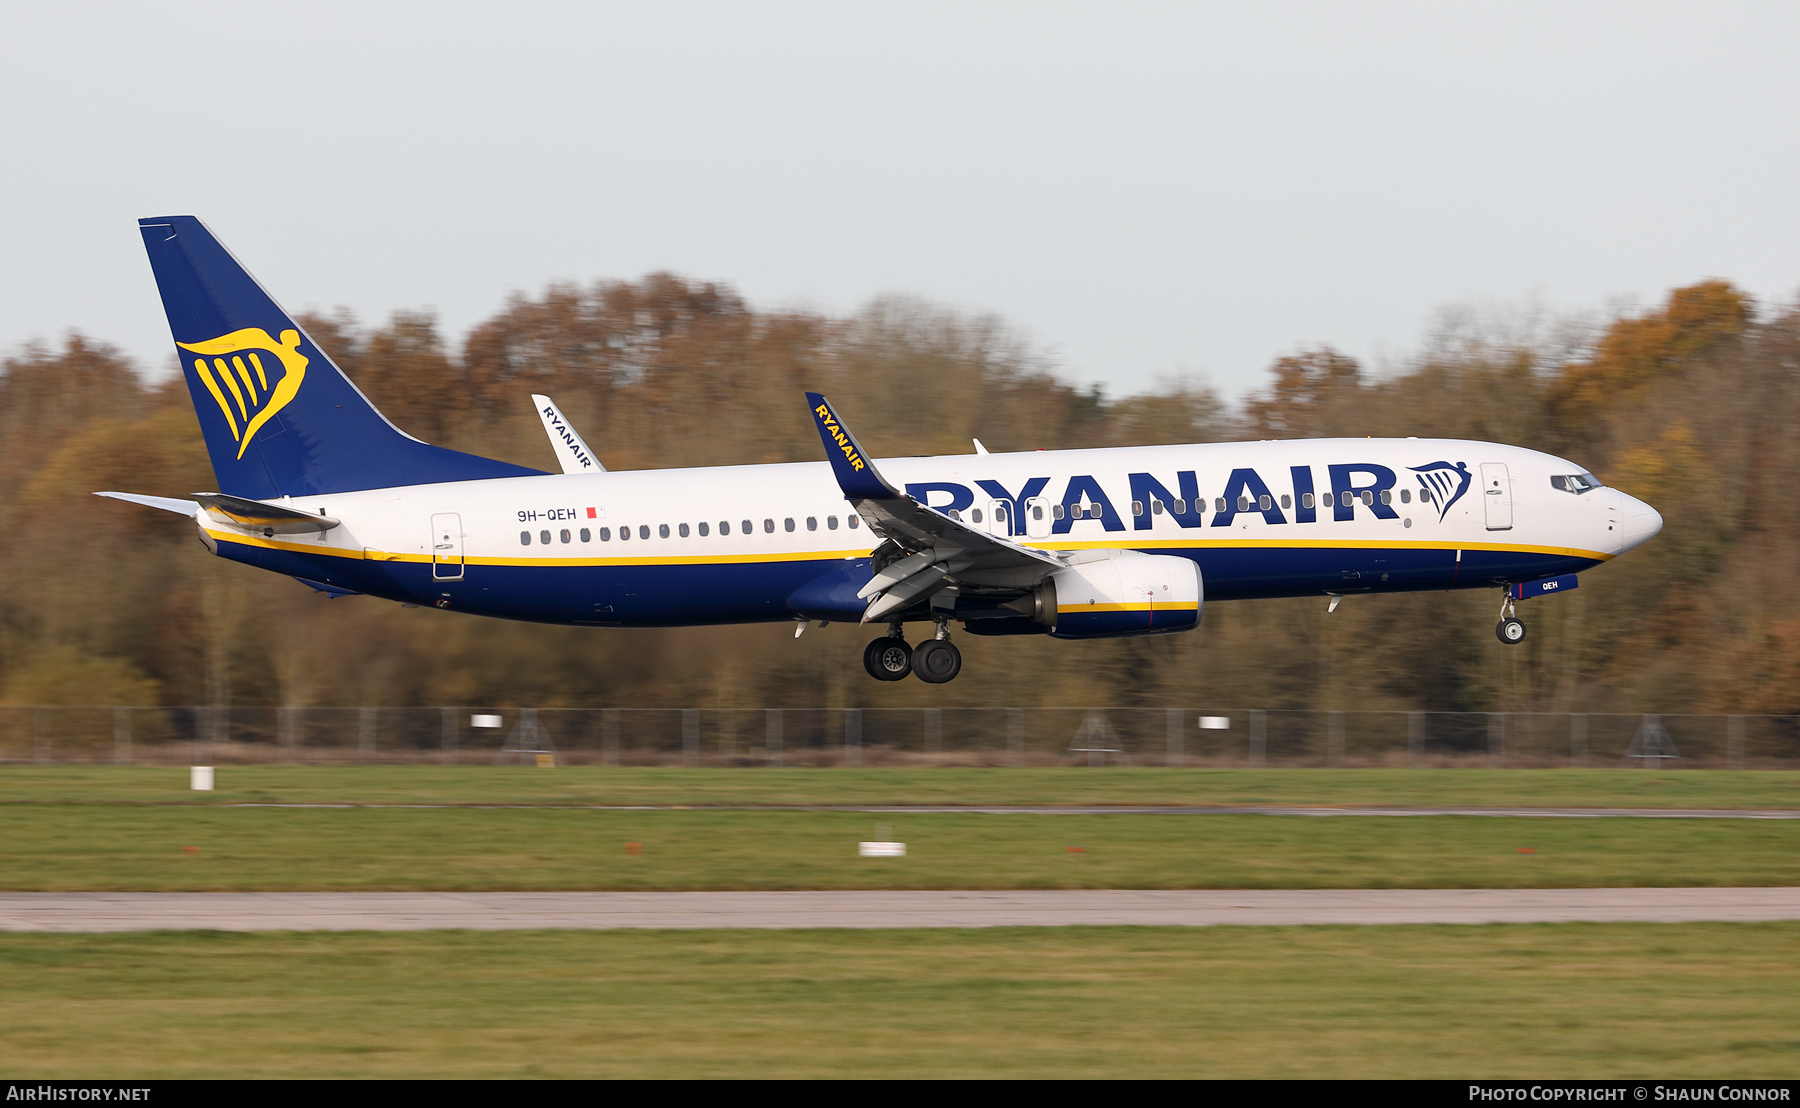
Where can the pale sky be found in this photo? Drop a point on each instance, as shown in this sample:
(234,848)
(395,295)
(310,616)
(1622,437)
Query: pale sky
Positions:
(1141,189)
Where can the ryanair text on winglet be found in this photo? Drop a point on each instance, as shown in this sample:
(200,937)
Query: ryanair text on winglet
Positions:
(838,436)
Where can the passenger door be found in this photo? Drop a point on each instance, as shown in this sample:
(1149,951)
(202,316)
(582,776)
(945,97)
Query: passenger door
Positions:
(1038,518)
(1496,495)
(446,547)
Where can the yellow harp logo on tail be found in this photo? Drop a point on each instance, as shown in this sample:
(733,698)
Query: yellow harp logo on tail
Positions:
(244,391)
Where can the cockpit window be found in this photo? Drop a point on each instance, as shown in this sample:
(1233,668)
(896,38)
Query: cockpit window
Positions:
(1576,483)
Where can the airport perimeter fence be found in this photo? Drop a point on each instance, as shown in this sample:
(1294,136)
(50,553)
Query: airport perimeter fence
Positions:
(889,736)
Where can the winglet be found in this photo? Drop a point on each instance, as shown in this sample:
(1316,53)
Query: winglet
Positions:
(850,463)
(574,454)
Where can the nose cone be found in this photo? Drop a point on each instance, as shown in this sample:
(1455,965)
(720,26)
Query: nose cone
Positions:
(1639,523)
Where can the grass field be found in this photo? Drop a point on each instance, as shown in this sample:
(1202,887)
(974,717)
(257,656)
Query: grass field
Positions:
(115,847)
(1538,1001)
(1631,788)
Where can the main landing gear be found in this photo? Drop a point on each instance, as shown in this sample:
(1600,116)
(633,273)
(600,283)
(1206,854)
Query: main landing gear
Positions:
(1511,629)
(934,661)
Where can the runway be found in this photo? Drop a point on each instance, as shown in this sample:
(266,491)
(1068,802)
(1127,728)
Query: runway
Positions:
(101,912)
(1119,810)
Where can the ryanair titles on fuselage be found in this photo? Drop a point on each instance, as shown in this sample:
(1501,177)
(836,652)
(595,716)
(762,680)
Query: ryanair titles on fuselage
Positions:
(1368,485)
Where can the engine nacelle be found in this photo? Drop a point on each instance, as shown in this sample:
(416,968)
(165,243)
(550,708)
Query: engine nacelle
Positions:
(1131,594)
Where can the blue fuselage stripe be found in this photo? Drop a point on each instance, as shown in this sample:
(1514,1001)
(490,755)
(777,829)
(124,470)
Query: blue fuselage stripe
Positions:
(747,592)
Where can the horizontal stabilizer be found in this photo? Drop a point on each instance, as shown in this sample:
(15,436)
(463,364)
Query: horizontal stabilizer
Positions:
(254,515)
(332,592)
(166,503)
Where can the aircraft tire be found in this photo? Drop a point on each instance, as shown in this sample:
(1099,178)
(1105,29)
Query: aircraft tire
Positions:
(1510,631)
(888,659)
(936,661)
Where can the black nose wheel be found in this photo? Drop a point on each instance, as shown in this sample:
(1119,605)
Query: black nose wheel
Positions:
(936,661)
(888,659)
(1510,630)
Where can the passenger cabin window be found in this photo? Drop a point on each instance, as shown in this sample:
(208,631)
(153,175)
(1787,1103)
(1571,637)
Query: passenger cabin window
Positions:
(703,529)
(812,523)
(1387,496)
(587,535)
(624,533)
(524,538)
(644,530)
(1406,496)
(662,530)
(855,522)
(1156,507)
(1349,499)
(564,536)
(1306,500)
(1181,507)
(1287,501)
(544,537)
(682,530)
(768,527)
(788,523)
(1218,503)
(1056,511)
(1243,503)
(606,534)
(1368,496)
(831,523)
(976,514)
(956,515)
(725,527)
(1137,507)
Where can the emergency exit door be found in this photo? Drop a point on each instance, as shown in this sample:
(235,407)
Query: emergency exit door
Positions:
(1496,495)
(446,547)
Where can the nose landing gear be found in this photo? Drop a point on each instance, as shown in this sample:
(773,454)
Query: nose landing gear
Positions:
(1511,629)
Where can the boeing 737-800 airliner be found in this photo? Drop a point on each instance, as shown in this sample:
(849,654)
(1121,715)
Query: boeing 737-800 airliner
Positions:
(316,484)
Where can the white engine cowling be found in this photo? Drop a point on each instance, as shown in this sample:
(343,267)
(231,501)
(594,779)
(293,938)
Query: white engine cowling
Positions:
(1131,594)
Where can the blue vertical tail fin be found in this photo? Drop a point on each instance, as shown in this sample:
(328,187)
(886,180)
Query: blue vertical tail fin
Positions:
(278,417)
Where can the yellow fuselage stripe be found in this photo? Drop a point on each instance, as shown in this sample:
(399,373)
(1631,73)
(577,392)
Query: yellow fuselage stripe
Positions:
(1190,606)
(832,555)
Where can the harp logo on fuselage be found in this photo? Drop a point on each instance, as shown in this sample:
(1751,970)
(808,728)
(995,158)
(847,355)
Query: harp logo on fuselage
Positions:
(249,391)
(1439,478)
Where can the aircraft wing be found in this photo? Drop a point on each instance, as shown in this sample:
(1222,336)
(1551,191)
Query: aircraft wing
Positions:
(930,551)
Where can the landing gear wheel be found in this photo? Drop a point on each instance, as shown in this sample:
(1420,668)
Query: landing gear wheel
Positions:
(936,661)
(888,659)
(1510,630)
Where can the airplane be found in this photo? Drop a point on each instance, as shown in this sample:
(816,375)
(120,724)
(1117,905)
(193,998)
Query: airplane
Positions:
(316,484)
